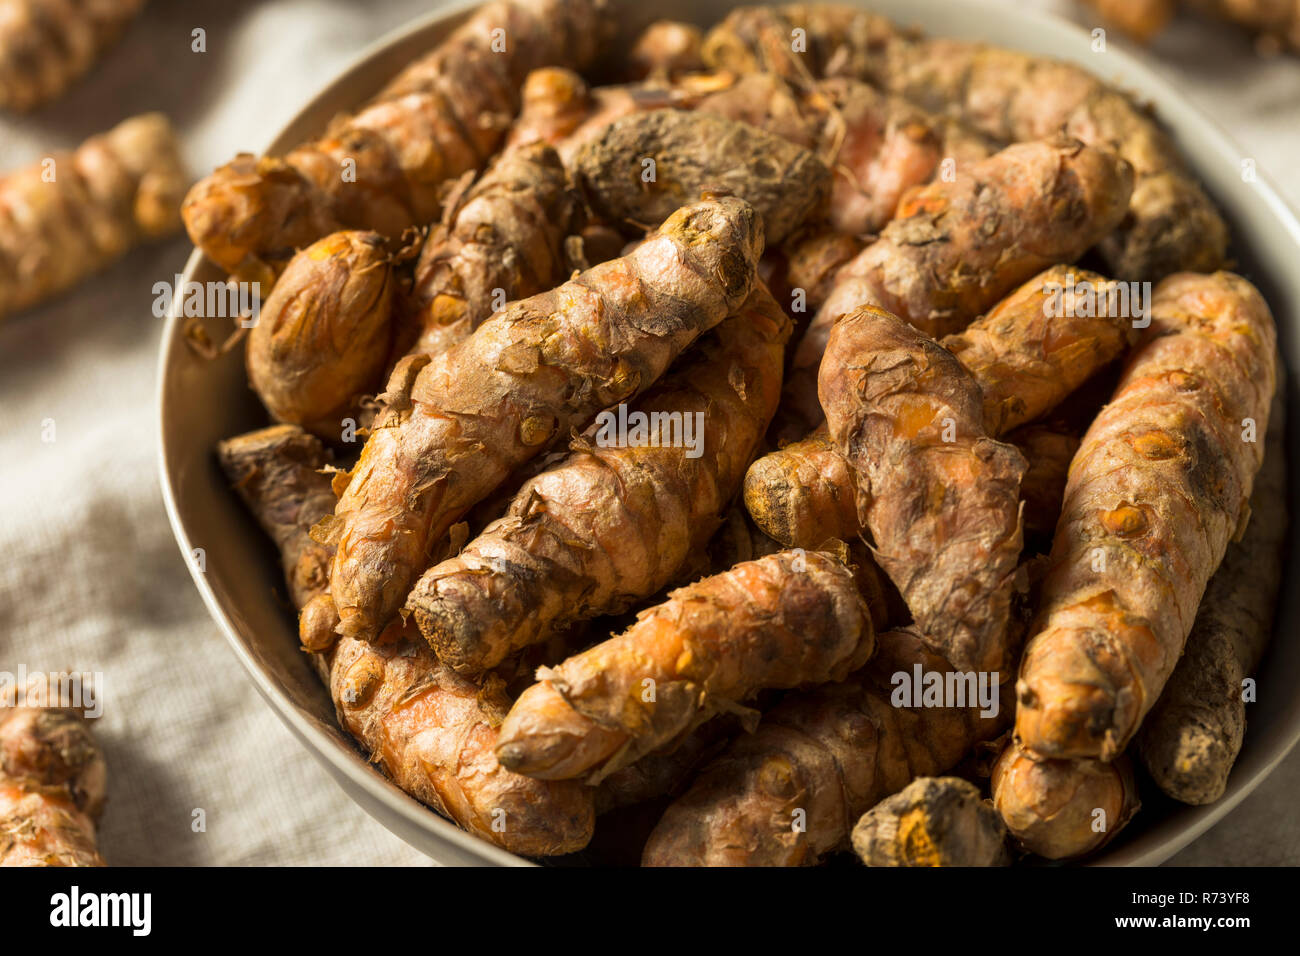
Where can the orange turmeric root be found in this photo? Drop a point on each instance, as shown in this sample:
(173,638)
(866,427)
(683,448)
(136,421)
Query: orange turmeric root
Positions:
(613,524)
(384,168)
(1159,486)
(940,498)
(528,376)
(324,334)
(72,214)
(789,793)
(1191,738)
(1009,96)
(788,619)
(51,787)
(1060,809)
(939,263)
(933,821)
(46,45)
(503,240)
(432,731)
(1034,349)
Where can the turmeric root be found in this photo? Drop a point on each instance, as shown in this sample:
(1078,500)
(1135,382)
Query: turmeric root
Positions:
(432,731)
(1008,96)
(933,821)
(1060,809)
(1049,451)
(665,773)
(616,521)
(939,264)
(781,621)
(280,475)
(644,166)
(806,493)
(1043,341)
(940,498)
(384,167)
(789,793)
(52,778)
(1160,484)
(664,50)
(46,45)
(1140,19)
(504,240)
(885,146)
(877,146)
(811,264)
(1191,738)
(71,214)
(530,374)
(324,335)
(1034,349)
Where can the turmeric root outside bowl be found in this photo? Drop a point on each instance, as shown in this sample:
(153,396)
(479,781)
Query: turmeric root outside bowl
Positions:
(202,401)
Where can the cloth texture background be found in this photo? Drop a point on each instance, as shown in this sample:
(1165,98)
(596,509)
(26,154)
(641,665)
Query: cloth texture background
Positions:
(91,578)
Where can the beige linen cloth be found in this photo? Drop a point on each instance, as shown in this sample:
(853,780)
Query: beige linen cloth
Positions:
(90,577)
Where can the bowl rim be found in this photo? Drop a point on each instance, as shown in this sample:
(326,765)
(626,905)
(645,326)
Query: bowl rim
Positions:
(1170,104)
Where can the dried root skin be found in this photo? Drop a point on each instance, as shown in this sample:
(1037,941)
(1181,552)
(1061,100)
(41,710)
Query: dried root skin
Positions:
(528,376)
(933,821)
(877,146)
(940,498)
(503,241)
(114,191)
(443,116)
(1159,486)
(324,335)
(832,752)
(46,45)
(781,621)
(758,39)
(1191,738)
(432,731)
(52,779)
(609,526)
(1060,809)
(693,152)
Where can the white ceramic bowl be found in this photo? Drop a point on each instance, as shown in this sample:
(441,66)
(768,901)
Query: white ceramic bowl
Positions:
(203,401)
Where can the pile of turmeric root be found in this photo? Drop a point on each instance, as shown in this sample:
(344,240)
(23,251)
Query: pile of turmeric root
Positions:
(882,396)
